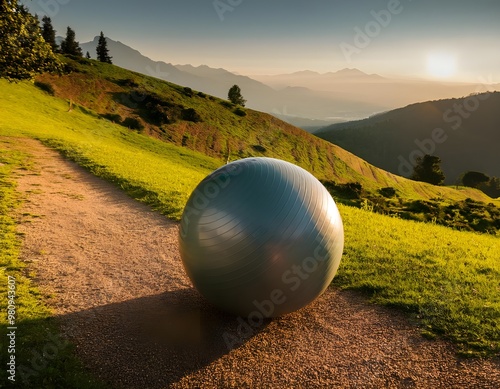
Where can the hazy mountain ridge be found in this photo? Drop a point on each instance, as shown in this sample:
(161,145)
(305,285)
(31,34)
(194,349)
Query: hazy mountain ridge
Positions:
(290,104)
(347,94)
(467,138)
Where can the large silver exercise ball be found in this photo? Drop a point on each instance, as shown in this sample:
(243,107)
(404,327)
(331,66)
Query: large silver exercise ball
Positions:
(261,237)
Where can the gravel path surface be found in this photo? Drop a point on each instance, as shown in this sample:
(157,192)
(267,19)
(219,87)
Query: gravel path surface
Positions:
(123,298)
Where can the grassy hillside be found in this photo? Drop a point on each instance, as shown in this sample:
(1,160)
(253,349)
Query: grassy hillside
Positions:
(220,130)
(471,134)
(165,178)
(446,280)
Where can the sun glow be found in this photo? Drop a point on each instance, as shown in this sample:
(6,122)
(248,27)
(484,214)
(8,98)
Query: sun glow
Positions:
(441,65)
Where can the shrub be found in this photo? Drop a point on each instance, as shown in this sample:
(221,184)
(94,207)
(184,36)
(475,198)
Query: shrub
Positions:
(128,82)
(191,115)
(188,92)
(46,87)
(133,124)
(422,206)
(112,117)
(259,148)
(387,192)
(351,190)
(158,114)
(240,112)
(70,68)
(227,104)
(202,95)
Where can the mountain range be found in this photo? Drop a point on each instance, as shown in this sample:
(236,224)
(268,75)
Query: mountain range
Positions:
(307,99)
(464,133)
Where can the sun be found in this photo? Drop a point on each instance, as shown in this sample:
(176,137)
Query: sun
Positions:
(441,65)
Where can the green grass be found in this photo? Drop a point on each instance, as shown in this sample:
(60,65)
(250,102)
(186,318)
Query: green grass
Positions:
(158,173)
(447,280)
(43,359)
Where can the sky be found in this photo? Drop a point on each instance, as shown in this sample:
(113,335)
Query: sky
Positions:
(448,40)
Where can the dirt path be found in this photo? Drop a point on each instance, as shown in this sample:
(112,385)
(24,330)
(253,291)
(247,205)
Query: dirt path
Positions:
(123,299)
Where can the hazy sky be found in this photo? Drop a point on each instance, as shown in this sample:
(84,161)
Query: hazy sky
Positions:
(447,39)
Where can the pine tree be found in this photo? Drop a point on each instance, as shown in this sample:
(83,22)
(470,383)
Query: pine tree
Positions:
(23,51)
(428,169)
(49,34)
(88,55)
(235,97)
(70,46)
(102,50)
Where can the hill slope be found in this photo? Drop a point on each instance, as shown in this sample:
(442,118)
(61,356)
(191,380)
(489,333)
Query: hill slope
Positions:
(447,280)
(216,128)
(468,141)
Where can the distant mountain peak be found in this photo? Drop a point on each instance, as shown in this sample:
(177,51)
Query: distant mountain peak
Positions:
(305,73)
(351,71)
(354,73)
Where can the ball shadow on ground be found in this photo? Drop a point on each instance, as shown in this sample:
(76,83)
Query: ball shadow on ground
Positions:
(156,340)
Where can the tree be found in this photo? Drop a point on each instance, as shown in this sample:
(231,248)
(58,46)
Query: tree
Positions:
(88,55)
(49,34)
(491,188)
(474,179)
(23,51)
(428,169)
(235,97)
(102,50)
(70,46)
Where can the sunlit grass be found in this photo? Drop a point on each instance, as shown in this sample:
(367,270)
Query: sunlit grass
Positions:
(447,280)
(152,171)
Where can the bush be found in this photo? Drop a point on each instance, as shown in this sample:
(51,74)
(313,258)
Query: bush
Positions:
(112,117)
(191,115)
(202,95)
(188,92)
(128,82)
(227,104)
(46,87)
(69,68)
(240,112)
(350,191)
(387,192)
(133,124)
(158,114)
(259,148)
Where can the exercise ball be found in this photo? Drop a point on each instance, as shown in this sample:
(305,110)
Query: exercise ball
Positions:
(261,237)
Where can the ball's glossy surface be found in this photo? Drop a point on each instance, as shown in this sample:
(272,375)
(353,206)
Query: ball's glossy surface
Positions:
(261,236)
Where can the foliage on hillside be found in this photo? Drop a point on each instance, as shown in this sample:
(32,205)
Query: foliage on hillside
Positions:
(219,129)
(465,215)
